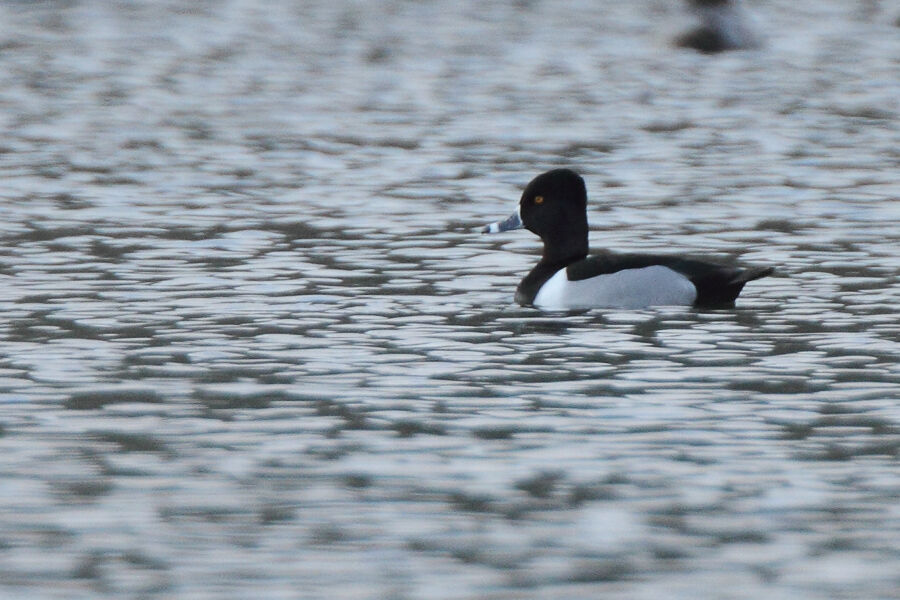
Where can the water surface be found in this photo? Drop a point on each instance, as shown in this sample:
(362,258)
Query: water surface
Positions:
(252,344)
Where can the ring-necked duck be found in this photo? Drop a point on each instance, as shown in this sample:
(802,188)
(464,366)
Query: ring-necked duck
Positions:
(554,206)
(724,25)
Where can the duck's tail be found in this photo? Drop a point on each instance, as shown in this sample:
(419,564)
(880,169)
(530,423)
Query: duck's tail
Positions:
(722,287)
(751,274)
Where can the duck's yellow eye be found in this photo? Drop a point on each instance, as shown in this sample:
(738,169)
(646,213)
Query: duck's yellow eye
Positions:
(538,199)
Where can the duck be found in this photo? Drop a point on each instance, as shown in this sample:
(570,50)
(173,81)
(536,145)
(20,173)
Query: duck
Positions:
(724,25)
(554,207)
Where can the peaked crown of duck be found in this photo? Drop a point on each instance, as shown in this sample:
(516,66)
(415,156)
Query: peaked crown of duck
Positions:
(554,206)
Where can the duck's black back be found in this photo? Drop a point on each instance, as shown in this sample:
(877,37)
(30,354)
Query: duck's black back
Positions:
(717,285)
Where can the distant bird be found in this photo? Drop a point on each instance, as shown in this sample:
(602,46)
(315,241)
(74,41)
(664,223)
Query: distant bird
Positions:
(554,206)
(724,25)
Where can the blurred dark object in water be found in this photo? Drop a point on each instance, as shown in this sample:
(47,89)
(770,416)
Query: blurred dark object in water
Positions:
(724,25)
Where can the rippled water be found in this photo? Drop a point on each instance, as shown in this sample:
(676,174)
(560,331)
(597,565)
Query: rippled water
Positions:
(253,347)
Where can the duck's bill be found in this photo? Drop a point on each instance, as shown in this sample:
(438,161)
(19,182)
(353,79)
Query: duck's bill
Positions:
(513,222)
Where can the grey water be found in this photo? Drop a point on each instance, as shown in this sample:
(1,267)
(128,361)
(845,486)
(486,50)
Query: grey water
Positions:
(252,345)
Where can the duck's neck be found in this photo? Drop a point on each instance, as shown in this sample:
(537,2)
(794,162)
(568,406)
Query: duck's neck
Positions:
(565,250)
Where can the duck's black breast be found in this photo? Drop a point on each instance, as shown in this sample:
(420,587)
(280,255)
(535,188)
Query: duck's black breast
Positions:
(536,278)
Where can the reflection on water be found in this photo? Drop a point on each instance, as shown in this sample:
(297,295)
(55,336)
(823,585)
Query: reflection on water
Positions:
(252,340)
